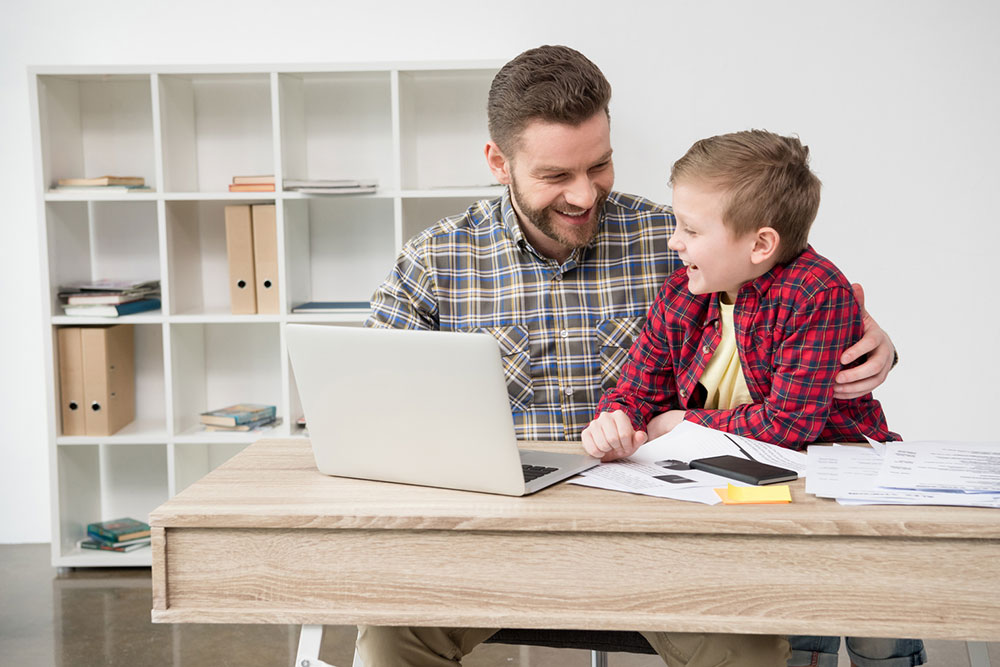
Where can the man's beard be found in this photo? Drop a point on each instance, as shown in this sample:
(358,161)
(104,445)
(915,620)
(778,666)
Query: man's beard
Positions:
(569,237)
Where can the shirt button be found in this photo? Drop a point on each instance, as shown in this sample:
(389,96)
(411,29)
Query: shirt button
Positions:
(706,349)
(569,391)
(564,333)
(558,276)
(683,393)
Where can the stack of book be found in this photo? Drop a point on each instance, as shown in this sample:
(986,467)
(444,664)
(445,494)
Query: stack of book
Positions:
(240,417)
(112,184)
(344,186)
(123,534)
(252,184)
(109,298)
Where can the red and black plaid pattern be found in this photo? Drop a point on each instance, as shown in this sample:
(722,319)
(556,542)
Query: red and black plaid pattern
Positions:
(792,324)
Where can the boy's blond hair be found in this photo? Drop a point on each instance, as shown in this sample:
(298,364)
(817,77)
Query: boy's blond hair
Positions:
(767,182)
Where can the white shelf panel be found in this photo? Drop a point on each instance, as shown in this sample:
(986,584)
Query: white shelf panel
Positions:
(293,194)
(149,317)
(139,432)
(352,317)
(93,558)
(220,317)
(219,196)
(100,196)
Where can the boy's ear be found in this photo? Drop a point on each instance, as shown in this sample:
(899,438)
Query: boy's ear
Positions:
(498,163)
(765,245)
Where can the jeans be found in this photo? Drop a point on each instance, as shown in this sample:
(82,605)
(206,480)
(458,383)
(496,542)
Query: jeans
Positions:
(864,651)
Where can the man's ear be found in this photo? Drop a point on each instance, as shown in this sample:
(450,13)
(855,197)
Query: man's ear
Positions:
(498,163)
(765,245)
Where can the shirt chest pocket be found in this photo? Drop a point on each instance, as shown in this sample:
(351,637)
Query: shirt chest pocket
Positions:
(614,337)
(515,355)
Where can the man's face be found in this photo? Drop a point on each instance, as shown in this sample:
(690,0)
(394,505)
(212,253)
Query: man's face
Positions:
(715,259)
(560,176)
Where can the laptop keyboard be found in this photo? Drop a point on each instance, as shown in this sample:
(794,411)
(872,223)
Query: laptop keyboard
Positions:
(534,472)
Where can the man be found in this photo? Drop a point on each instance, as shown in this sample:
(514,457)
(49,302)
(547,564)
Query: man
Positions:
(561,270)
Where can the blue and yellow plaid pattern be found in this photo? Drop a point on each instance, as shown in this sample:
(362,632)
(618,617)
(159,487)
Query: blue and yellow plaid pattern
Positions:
(564,329)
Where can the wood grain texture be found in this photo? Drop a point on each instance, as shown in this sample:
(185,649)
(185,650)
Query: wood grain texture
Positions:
(266,538)
(159,571)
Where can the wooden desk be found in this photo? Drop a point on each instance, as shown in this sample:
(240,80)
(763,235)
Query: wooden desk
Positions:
(266,538)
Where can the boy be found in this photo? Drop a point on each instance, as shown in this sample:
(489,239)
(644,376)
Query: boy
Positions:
(753,296)
(746,338)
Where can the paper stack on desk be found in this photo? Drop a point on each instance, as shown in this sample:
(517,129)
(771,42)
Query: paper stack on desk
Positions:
(907,473)
(659,468)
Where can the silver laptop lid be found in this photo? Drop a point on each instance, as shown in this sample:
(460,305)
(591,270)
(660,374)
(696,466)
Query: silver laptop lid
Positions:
(418,407)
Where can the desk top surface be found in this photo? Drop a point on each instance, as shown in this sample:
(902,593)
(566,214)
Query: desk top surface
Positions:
(274,483)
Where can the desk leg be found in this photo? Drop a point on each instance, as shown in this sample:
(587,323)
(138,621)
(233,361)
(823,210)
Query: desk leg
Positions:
(310,637)
(979,655)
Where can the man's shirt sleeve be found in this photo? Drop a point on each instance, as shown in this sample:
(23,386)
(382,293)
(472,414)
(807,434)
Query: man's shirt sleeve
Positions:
(407,298)
(806,360)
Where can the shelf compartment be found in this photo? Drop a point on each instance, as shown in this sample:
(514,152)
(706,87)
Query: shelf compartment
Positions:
(214,127)
(443,129)
(101,239)
(216,365)
(194,461)
(198,265)
(96,125)
(423,212)
(337,126)
(100,482)
(150,423)
(337,248)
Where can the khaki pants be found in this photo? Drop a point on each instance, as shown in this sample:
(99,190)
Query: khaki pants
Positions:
(445,647)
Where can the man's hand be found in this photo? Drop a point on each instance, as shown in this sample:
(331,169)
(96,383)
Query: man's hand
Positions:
(859,381)
(611,436)
(664,423)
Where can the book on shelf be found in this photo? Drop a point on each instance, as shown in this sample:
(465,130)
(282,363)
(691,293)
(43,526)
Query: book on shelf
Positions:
(103,181)
(253,180)
(124,529)
(331,186)
(251,187)
(267,422)
(241,413)
(111,310)
(118,189)
(108,292)
(332,307)
(91,543)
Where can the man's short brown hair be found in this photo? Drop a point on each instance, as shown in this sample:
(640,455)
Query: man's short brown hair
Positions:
(767,182)
(555,84)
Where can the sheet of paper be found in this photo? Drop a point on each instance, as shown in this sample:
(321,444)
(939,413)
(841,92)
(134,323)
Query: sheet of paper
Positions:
(690,441)
(699,494)
(971,467)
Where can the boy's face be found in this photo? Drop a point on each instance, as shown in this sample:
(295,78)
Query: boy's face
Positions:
(560,176)
(716,261)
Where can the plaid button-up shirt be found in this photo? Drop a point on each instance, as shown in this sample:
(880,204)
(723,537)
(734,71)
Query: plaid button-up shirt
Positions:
(792,324)
(564,329)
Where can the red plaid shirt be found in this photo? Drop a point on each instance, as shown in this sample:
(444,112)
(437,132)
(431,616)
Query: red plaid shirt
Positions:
(792,324)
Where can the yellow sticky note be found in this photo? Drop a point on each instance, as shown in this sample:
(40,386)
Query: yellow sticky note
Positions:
(756,495)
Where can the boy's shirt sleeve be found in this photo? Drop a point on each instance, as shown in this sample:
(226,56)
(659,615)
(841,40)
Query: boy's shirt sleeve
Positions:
(805,362)
(646,386)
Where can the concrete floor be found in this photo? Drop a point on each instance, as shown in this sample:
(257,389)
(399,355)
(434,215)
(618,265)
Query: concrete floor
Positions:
(100,617)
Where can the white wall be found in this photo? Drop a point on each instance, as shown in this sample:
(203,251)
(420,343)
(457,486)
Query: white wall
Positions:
(898,101)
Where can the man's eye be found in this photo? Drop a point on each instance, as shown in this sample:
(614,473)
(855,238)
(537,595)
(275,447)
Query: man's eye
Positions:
(599,167)
(554,177)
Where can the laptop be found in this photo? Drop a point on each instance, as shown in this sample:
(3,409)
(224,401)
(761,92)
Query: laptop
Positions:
(416,407)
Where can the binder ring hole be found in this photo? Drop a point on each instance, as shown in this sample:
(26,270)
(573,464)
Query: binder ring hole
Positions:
(241,284)
(267,283)
(95,406)
(73,405)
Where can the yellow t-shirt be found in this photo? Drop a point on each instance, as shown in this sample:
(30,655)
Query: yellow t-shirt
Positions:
(723,377)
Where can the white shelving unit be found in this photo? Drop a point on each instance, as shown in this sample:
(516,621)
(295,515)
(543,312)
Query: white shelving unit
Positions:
(418,128)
